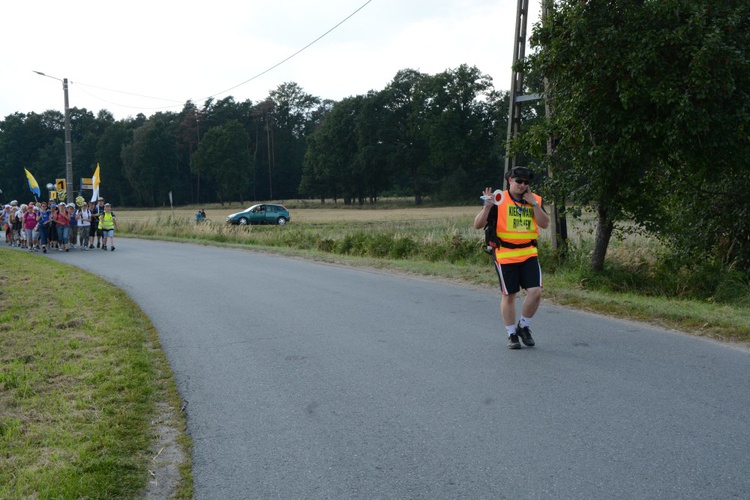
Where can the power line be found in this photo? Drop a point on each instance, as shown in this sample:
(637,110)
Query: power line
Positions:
(293,55)
(123,92)
(230,88)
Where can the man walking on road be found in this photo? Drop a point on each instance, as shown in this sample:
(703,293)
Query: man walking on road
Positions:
(517,216)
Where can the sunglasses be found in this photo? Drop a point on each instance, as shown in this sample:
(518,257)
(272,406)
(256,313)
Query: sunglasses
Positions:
(522,181)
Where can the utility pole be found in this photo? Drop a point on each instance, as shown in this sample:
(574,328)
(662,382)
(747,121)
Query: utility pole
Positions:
(514,111)
(516,84)
(68,147)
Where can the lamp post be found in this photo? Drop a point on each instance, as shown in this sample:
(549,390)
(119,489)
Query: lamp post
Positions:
(68,151)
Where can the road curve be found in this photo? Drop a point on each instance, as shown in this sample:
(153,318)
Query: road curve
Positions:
(307,380)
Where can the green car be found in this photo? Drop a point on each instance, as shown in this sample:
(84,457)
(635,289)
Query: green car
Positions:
(265,213)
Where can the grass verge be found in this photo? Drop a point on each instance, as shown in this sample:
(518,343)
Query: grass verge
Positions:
(82,377)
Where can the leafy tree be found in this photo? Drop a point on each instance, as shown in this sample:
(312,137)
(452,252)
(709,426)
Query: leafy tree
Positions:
(459,111)
(221,112)
(262,148)
(223,155)
(705,130)
(86,130)
(313,183)
(404,133)
(188,137)
(581,47)
(332,152)
(33,141)
(372,166)
(114,186)
(437,131)
(292,122)
(149,161)
(640,90)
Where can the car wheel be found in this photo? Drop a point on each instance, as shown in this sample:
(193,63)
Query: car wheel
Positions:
(281,221)
(242,221)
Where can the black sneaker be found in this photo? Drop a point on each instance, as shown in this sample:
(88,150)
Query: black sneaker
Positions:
(513,341)
(525,335)
(113,249)
(98,244)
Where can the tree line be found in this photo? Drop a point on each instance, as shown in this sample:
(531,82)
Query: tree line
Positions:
(423,135)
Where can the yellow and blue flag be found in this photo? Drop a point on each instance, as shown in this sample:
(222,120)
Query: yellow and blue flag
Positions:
(33,186)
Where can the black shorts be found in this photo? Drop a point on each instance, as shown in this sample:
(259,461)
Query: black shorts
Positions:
(513,277)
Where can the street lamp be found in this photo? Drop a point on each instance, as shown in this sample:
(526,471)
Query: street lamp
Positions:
(68,152)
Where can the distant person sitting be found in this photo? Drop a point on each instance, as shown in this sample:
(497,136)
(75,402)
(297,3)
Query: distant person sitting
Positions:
(200,216)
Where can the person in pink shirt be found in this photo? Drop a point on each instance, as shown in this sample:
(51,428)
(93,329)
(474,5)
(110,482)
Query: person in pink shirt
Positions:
(63,226)
(30,220)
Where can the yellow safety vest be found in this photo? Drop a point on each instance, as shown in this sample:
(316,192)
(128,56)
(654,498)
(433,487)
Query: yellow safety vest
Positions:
(106,221)
(516,228)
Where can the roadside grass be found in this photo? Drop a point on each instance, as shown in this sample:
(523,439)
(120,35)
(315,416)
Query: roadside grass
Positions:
(81,374)
(441,242)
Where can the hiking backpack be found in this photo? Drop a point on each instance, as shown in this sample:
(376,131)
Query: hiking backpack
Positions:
(491,241)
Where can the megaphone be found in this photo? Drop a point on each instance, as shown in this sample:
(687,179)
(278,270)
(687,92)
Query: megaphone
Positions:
(497,197)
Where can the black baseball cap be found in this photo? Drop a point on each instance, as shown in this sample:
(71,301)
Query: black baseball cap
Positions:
(519,173)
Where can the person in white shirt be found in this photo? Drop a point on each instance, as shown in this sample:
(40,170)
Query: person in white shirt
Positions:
(83,215)
(16,213)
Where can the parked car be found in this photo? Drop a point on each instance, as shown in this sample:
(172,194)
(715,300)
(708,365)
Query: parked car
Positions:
(263,213)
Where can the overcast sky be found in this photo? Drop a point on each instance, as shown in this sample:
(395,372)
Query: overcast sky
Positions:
(147,56)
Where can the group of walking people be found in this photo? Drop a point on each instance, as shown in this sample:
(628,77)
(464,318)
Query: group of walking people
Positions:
(59,226)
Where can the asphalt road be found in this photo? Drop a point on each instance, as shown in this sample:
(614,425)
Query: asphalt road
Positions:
(306,380)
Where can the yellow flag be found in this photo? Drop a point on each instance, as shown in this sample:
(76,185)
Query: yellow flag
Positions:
(95,180)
